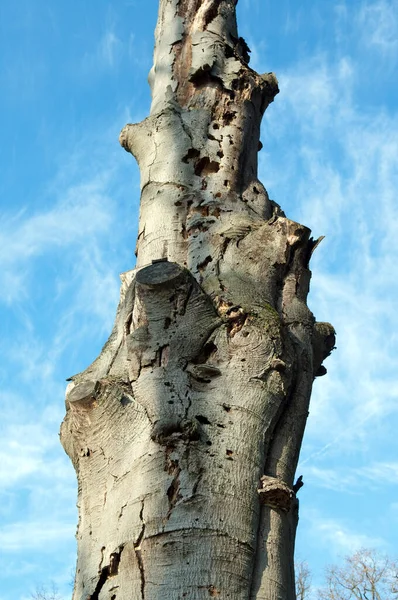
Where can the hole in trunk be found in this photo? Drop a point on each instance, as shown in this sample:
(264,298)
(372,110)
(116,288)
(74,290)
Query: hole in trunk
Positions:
(201,266)
(192,153)
(203,420)
(208,349)
(228,117)
(124,401)
(205,166)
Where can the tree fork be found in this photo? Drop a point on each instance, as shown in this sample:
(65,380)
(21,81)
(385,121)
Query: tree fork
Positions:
(185,432)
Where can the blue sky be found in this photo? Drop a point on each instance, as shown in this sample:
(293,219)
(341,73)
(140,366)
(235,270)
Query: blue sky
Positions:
(71,75)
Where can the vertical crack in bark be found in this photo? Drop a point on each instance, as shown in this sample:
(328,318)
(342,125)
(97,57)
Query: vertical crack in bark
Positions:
(108,571)
(138,553)
(100,584)
(173,491)
(122,510)
(189,403)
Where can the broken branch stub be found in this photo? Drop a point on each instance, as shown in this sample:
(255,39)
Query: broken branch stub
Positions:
(160,274)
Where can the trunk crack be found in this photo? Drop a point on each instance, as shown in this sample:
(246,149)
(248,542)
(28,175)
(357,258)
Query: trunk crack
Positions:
(138,553)
(106,572)
(114,357)
(173,492)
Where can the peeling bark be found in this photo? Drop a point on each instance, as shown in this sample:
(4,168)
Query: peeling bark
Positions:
(185,432)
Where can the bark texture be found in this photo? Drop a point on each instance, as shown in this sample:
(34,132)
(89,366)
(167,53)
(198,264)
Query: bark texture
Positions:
(185,432)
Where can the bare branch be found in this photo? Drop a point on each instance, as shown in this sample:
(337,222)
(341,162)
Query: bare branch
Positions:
(303,580)
(366,575)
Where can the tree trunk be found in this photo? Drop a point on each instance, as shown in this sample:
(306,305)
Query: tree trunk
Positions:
(185,432)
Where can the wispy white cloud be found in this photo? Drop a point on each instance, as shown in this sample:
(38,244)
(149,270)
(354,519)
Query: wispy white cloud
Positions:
(100,283)
(380,472)
(62,261)
(353,480)
(293,20)
(25,451)
(338,480)
(33,535)
(82,213)
(106,53)
(338,537)
(33,464)
(379,23)
(79,214)
(347,159)
(345,541)
(110,46)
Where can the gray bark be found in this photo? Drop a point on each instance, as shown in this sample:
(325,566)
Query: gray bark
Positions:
(185,432)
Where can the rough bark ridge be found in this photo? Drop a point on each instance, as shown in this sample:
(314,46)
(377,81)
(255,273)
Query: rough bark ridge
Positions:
(185,432)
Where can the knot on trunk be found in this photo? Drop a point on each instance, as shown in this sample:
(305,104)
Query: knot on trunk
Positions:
(275,493)
(323,342)
(170,433)
(83,395)
(271,82)
(161,273)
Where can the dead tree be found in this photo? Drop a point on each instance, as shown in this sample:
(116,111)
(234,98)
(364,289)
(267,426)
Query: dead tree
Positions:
(185,432)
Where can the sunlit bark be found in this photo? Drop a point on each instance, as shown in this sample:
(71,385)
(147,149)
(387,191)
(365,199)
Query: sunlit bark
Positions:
(185,432)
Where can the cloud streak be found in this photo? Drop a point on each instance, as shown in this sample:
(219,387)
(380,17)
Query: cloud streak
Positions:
(347,160)
(379,23)
(34,535)
(82,214)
